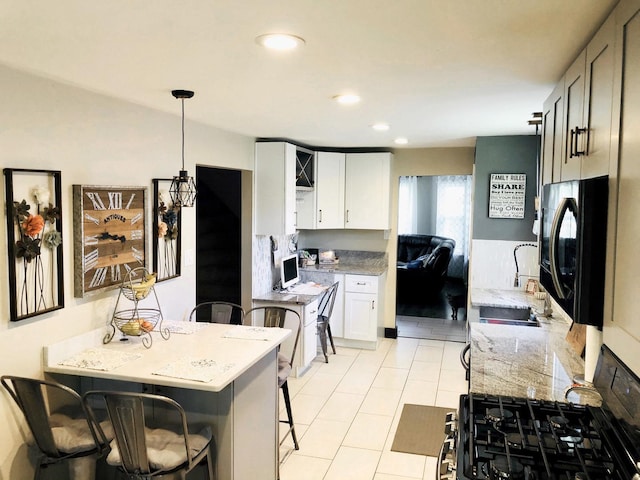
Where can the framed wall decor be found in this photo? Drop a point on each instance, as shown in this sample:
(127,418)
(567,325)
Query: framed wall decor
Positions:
(34,239)
(167,229)
(108,235)
(507,195)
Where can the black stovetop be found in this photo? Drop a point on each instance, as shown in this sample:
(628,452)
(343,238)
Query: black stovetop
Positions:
(515,438)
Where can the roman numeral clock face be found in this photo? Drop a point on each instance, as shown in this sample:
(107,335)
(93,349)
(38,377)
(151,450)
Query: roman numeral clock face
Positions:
(109,235)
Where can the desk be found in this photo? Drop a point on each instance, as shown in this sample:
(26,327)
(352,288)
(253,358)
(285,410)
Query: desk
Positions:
(239,400)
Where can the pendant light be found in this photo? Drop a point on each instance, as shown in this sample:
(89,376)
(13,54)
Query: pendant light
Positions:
(183,188)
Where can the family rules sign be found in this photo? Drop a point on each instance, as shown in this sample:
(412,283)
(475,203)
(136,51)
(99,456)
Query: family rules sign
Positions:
(507,195)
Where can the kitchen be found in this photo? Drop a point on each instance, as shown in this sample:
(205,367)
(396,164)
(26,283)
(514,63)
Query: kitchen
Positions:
(125,138)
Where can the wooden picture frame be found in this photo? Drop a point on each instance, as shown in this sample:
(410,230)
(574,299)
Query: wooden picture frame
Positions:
(167,231)
(109,235)
(34,239)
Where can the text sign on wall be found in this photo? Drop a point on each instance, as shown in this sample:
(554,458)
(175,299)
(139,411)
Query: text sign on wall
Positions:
(507,195)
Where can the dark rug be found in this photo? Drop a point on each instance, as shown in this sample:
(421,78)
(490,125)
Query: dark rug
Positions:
(420,430)
(438,305)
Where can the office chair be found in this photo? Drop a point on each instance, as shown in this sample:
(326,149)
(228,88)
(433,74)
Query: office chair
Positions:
(325,309)
(144,451)
(275,317)
(61,434)
(217,312)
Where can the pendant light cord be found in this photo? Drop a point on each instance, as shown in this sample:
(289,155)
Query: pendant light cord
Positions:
(182,133)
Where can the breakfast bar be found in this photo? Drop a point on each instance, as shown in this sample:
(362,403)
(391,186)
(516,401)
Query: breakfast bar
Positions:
(222,375)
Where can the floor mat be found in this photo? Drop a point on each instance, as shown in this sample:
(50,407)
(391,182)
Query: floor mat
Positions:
(420,430)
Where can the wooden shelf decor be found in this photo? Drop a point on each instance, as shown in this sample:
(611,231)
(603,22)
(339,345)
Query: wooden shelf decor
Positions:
(167,230)
(34,238)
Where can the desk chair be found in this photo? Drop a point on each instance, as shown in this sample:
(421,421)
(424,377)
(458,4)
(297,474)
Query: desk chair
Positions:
(275,317)
(325,309)
(217,312)
(142,452)
(61,434)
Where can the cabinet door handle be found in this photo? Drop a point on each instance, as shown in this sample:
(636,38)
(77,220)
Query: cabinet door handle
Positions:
(575,135)
(373,304)
(347,219)
(320,221)
(295,219)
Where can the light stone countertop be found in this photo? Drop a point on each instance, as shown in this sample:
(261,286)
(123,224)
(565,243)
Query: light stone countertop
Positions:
(521,361)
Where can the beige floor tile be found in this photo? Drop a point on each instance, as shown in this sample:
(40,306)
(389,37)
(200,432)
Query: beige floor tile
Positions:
(402,464)
(448,399)
(368,431)
(381,401)
(323,438)
(341,407)
(321,385)
(305,408)
(425,371)
(357,381)
(429,354)
(384,476)
(419,392)
(392,378)
(353,464)
(301,467)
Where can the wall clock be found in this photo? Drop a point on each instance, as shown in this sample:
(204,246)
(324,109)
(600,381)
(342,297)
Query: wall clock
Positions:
(109,235)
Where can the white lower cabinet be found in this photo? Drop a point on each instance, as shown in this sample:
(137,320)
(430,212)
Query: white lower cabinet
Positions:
(362,307)
(307,343)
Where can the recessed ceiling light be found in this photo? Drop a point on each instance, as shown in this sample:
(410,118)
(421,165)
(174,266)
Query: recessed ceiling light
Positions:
(401,141)
(279,41)
(380,127)
(347,99)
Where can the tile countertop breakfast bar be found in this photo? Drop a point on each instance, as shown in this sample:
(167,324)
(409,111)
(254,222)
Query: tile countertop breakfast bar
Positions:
(222,375)
(521,361)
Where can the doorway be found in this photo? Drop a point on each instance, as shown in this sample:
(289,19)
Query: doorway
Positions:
(218,235)
(437,206)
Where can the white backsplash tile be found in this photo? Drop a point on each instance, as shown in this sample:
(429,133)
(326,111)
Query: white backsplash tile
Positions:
(492,264)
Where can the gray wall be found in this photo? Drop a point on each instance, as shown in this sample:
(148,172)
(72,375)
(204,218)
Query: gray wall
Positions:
(505,154)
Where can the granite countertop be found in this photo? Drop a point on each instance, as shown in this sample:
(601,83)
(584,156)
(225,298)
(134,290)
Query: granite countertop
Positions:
(521,361)
(348,268)
(286,298)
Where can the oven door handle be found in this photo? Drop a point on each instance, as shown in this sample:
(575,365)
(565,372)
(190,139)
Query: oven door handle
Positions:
(566,204)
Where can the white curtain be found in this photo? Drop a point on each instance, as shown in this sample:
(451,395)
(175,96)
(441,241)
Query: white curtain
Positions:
(454,210)
(408,200)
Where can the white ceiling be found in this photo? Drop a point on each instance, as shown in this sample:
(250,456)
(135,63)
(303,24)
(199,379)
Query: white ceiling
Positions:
(440,72)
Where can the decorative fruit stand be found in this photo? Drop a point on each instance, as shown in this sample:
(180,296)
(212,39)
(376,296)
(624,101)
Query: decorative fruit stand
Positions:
(136,321)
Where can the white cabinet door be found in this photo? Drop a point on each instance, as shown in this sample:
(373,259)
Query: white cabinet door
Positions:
(361,307)
(360,316)
(309,337)
(330,179)
(367,183)
(573,104)
(275,188)
(622,326)
(552,135)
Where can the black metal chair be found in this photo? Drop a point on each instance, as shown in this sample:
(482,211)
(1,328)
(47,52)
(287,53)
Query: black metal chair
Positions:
(277,317)
(325,309)
(145,451)
(217,312)
(62,429)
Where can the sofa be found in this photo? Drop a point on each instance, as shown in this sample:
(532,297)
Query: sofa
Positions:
(422,265)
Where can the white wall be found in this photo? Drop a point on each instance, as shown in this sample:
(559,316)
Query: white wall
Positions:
(92,140)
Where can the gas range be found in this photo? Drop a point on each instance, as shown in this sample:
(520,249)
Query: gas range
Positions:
(518,438)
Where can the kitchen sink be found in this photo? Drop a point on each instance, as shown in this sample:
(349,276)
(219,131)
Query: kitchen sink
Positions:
(508,316)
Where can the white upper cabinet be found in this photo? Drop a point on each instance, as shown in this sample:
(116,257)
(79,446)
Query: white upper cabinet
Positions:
(275,188)
(552,135)
(367,182)
(351,192)
(588,95)
(330,190)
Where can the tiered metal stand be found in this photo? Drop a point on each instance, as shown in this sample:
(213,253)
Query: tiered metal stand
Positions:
(137,286)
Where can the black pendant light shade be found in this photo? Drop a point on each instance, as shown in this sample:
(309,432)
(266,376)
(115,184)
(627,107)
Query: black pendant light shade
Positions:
(183,188)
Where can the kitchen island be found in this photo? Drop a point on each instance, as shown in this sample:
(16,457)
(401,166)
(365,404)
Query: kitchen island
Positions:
(520,361)
(222,375)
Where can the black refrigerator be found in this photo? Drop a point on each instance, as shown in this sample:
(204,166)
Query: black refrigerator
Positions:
(573,241)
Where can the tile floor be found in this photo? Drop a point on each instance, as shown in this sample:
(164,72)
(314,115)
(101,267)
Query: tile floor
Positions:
(432,328)
(346,411)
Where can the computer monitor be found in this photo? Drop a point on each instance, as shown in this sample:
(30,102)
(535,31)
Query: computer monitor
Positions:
(289,273)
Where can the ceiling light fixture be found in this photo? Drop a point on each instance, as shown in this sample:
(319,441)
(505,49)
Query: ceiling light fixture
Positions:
(401,141)
(280,41)
(347,99)
(183,188)
(380,127)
